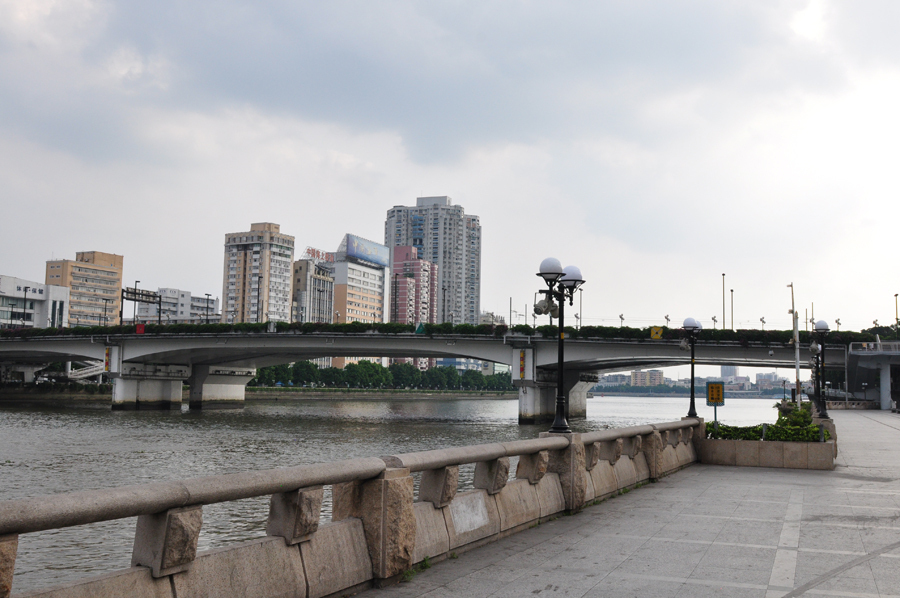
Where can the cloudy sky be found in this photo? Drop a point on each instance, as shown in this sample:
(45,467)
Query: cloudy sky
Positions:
(655,145)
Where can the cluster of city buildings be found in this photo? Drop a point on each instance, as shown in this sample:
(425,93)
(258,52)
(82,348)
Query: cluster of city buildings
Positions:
(428,270)
(729,374)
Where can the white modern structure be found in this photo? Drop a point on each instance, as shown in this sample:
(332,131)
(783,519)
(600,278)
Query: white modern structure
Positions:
(445,235)
(180,307)
(29,304)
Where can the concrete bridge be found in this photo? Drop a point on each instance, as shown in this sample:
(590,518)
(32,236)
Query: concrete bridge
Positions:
(148,370)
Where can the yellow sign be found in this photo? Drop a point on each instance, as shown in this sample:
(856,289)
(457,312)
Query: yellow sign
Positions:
(715,394)
(656,333)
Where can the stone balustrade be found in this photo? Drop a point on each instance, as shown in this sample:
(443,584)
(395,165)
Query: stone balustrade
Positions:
(379,527)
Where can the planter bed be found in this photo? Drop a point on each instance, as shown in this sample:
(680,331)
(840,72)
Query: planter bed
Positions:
(766,453)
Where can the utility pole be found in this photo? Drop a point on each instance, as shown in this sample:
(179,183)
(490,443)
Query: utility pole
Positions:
(796,318)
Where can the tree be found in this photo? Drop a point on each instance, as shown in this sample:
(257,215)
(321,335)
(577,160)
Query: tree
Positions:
(473,380)
(304,373)
(405,375)
(332,377)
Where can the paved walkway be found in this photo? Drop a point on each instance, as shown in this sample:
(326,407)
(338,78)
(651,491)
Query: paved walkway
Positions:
(710,531)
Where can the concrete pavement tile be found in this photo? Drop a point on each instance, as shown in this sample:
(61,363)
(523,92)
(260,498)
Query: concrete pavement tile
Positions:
(575,583)
(687,528)
(754,509)
(693,590)
(736,564)
(811,566)
(411,589)
(886,573)
(757,533)
(822,537)
(618,587)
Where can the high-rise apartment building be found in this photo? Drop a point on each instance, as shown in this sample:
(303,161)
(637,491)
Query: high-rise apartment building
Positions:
(313,287)
(414,287)
(729,371)
(443,234)
(94,280)
(180,307)
(256,283)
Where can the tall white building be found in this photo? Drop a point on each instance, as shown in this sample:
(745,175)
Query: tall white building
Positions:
(256,283)
(180,307)
(443,233)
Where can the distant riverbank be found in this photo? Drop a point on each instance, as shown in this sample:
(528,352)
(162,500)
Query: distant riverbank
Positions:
(36,395)
(255,393)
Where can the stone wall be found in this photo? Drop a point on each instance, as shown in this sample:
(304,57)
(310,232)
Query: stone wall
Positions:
(379,529)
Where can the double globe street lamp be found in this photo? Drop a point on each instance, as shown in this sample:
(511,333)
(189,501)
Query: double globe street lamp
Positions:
(818,349)
(692,329)
(561,286)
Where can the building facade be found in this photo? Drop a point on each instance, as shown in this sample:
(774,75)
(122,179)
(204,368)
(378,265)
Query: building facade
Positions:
(360,269)
(28,304)
(180,307)
(444,235)
(414,287)
(94,280)
(313,288)
(650,378)
(256,283)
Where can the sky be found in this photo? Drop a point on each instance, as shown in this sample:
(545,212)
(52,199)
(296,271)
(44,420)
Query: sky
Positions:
(654,145)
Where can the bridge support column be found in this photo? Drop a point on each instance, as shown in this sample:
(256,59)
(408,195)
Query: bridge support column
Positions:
(214,387)
(885,386)
(537,398)
(142,393)
(148,386)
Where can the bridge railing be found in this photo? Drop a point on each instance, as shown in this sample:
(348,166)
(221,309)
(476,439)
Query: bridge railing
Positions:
(379,526)
(880,347)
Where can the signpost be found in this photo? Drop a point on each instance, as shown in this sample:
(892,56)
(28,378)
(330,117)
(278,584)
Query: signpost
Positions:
(715,398)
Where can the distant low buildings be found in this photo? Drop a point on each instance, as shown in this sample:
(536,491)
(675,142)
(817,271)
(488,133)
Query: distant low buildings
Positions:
(29,304)
(649,378)
(180,307)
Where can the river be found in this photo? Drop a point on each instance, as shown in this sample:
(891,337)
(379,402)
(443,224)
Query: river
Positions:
(51,450)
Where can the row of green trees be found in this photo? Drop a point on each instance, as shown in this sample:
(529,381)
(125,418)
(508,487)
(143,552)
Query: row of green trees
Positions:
(369,374)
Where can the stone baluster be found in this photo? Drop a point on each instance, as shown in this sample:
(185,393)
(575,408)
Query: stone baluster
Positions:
(592,455)
(569,465)
(167,542)
(385,506)
(533,467)
(438,486)
(492,475)
(652,446)
(9,545)
(611,451)
(294,516)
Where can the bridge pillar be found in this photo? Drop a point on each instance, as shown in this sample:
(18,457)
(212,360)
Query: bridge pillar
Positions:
(148,386)
(537,398)
(885,386)
(214,387)
(141,393)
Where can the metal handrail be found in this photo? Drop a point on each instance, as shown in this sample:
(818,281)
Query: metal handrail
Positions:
(880,346)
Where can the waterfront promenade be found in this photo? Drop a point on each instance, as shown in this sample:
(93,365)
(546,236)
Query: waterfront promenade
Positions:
(710,531)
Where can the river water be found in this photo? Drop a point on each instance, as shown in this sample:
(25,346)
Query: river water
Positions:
(52,450)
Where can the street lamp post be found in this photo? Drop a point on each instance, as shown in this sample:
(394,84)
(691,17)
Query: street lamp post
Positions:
(732,310)
(692,328)
(259,280)
(207,307)
(561,286)
(24,304)
(134,303)
(821,330)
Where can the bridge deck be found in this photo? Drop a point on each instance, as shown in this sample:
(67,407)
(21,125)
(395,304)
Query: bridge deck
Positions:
(711,531)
